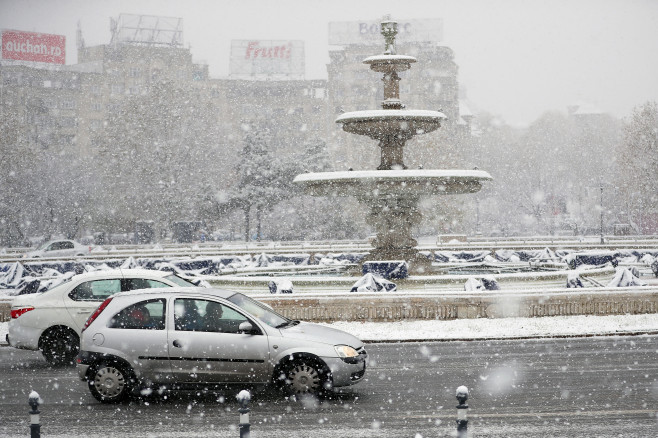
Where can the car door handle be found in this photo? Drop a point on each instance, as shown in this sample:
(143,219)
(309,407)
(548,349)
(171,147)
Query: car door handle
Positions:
(177,343)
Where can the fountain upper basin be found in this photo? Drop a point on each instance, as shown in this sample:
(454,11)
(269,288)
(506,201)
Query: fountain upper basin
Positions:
(388,63)
(407,183)
(380,124)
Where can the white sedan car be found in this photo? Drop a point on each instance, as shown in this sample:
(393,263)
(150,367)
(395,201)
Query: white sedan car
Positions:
(59,248)
(52,321)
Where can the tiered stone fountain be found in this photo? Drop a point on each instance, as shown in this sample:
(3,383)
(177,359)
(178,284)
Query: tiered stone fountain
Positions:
(392,192)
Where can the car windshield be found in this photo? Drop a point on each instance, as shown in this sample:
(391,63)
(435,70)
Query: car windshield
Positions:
(43,246)
(259,310)
(179,281)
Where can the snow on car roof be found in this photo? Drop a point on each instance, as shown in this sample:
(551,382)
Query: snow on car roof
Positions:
(122,273)
(216,293)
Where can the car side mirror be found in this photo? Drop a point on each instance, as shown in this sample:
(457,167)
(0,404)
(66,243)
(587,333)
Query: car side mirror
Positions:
(246,328)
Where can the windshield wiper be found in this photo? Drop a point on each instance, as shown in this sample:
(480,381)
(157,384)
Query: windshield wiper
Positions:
(287,324)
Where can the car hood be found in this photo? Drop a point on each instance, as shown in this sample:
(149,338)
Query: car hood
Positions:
(319,333)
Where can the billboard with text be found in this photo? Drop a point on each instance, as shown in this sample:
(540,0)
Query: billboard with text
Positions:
(266,58)
(35,47)
(342,33)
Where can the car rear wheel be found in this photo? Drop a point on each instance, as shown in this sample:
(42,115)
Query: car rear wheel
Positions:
(305,376)
(110,382)
(60,346)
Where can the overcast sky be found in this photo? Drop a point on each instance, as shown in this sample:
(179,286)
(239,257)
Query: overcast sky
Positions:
(517,58)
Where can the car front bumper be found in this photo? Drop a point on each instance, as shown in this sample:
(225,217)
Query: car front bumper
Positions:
(344,373)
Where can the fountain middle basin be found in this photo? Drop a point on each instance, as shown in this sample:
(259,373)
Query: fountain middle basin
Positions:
(382,124)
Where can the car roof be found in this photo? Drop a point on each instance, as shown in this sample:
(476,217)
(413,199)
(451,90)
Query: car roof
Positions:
(121,273)
(202,291)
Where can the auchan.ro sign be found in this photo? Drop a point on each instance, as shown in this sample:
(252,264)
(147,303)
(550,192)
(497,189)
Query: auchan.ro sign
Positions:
(31,46)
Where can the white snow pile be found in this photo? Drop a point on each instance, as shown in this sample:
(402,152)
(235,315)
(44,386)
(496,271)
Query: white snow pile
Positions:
(574,280)
(13,276)
(499,328)
(483,283)
(625,277)
(280,286)
(130,263)
(372,283)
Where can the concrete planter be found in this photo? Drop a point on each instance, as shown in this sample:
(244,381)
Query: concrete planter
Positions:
(431,306)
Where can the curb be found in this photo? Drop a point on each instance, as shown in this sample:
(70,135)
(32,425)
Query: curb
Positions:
(514,338)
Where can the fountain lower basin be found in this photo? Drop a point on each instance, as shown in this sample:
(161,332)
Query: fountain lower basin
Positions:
(413,183)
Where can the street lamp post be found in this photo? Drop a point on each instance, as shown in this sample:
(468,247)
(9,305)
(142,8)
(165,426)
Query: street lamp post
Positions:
(602,239)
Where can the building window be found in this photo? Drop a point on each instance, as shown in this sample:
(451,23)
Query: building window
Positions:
(117,89)
(43,120)
(135,72)
(11,78)
(67,140)
(94,124)
(96,89)
(97,106)
(68,122)
(67,104)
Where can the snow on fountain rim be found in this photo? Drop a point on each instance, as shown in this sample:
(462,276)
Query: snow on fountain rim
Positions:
(389,59)
(393,175)
(402,114)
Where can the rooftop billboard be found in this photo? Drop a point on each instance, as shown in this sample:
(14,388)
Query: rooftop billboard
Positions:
(343,33)
(258,58)
(147,29)
(35,47)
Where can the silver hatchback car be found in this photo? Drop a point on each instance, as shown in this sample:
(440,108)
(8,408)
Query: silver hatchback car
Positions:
(187,338)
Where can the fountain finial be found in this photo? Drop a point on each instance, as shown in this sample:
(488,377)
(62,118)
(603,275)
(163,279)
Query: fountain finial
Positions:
(389,30)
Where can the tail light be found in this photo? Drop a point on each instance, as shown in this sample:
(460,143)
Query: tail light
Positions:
(15,313)
(96,313)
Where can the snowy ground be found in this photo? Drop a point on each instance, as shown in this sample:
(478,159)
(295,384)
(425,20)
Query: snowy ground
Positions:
(507,328)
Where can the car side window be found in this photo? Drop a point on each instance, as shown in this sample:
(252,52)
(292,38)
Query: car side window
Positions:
(145,315)
(186,314)
(206,316)
(96,290)
(142,283)
(66,245)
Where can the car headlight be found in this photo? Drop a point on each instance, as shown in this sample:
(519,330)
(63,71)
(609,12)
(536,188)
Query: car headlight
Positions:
(345,351)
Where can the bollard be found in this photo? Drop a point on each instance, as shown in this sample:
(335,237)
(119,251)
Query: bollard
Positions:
(35,423)
(462,412)
(243,398)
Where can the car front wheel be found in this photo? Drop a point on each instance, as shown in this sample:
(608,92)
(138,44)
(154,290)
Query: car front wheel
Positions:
(307,377)
(110,382)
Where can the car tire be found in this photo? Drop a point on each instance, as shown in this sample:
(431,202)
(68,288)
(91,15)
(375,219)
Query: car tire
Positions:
(110,382)
(60,346)
(305,376)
